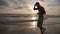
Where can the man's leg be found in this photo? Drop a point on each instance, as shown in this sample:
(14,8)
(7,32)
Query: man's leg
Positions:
(40,27)
(43,29)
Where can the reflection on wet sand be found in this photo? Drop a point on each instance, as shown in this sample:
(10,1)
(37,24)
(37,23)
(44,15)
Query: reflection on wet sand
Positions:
(14,29)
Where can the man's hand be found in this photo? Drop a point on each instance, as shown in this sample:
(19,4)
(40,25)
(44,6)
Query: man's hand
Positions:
(37,13)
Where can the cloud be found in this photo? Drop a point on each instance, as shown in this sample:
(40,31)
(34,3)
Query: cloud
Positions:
(16,4)
(51,4)
(2,3)
(13,4)
(20,4)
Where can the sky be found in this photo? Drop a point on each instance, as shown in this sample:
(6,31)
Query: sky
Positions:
(52,7)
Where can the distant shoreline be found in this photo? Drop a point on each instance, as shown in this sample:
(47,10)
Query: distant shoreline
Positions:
(27,15)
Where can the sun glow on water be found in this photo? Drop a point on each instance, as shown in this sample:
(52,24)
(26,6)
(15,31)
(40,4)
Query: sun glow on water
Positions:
(34,18)
(34,24)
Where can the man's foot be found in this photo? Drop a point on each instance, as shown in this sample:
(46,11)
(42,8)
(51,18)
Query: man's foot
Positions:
(43,29)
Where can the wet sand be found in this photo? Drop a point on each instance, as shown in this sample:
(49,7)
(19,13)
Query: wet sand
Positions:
(52,26)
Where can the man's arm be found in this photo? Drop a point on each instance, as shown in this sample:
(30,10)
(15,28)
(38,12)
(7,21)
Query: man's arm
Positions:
(35,7)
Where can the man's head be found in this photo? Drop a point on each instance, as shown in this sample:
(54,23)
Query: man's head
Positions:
(37,3)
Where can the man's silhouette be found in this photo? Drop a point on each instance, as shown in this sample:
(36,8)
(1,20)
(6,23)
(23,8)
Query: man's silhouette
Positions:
(41,12)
